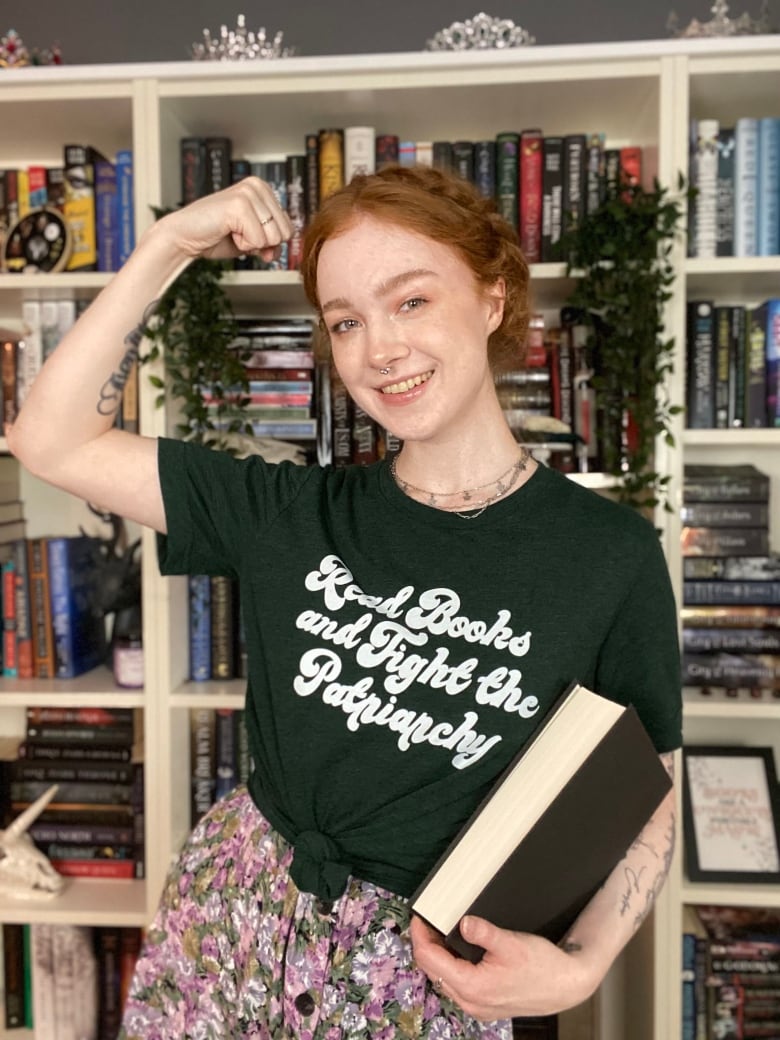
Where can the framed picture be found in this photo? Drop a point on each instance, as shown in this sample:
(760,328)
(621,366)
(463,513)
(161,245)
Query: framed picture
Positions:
(731,818)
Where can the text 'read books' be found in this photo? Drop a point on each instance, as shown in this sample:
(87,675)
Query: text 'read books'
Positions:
(554,826)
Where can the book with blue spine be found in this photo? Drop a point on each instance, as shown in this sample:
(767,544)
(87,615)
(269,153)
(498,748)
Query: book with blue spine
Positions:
(769,186)
(200,627)
(77,619)
(125,203)
(746,187)
(769,313)
(106,216)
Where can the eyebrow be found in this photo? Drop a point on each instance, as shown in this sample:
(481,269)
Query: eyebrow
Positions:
(383,288)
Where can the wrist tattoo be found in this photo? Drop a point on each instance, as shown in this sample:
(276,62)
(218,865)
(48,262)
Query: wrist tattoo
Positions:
(110,395)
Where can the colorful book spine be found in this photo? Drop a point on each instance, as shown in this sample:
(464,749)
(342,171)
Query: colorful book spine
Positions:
(40,609)
(463,159)
(218,158)
(223,634)
(359,151)
(79,211)
(724,204)
(295,169)
(331,161)
(531,176)
(78,625)
(771,310)
(107,216)
(706,165)
(192,159)
(595,180)
(756,368)
(311,180)
(552,198)
(125,203)
(24,647)
(387,148)
(768,208)
(508,176)
(700,376)
(485,168)
(746,187)
(199,586)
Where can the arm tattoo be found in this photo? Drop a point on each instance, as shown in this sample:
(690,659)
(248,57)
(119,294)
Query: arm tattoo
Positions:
(110,395)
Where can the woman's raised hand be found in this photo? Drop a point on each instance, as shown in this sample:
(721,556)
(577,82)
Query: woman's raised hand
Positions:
(242,219)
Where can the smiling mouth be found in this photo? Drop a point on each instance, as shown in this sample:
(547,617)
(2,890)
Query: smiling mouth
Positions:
(406,384)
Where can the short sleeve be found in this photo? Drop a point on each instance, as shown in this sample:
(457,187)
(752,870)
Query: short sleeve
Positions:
(639,662)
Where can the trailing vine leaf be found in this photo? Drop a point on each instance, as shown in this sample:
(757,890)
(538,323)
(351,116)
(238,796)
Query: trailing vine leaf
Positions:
(620,255)
(194,330)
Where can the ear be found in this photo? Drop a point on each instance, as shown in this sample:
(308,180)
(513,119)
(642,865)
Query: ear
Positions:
(495,296)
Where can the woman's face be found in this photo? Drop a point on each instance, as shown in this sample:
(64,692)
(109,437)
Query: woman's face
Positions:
(394,299)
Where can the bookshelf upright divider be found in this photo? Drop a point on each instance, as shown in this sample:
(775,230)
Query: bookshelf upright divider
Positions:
(636,93)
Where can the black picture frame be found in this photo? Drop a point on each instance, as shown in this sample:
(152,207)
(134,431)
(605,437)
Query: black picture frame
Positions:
(731,814)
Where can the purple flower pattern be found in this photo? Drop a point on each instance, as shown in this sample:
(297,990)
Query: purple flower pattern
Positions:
(237,951)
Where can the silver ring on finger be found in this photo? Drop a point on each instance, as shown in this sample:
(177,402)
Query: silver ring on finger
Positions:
(266,221)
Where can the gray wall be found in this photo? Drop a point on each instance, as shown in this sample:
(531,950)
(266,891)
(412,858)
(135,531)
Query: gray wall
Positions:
(148,30)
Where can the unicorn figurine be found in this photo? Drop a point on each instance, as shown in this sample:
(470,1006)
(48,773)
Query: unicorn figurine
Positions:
(25,872)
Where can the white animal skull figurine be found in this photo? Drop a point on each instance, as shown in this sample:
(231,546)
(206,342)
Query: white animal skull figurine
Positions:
(24,871)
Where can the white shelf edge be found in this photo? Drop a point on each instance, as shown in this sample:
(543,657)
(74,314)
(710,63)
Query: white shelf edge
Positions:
(84,901)
(92,689)
(753,437)
(728,894)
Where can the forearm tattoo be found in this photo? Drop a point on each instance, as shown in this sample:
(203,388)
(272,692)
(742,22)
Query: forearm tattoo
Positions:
(110,395)
(643,886)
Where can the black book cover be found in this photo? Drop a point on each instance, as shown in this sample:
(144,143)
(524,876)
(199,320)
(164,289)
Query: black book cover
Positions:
(577,841)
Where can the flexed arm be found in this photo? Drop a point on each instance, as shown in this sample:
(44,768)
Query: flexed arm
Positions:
(64,432)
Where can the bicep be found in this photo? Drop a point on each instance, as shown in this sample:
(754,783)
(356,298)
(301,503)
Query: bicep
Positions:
(118,472)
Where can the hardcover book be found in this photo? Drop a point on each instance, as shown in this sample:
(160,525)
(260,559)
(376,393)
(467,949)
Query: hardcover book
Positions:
(531,195)
(741,482)
(746,187)
(724,204)
(700,375)
(77,621)
(554,826)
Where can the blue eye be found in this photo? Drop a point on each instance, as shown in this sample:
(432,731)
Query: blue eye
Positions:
(340,327)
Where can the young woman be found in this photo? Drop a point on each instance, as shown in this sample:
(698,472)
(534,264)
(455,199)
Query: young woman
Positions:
(409,624)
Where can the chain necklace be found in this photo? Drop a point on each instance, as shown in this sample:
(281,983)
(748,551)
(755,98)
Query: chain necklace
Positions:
(502,485)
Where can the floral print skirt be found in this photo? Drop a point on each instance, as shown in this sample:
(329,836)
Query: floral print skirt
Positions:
(236,950)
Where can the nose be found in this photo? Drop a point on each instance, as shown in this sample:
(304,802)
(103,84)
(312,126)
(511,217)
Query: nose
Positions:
(386,344)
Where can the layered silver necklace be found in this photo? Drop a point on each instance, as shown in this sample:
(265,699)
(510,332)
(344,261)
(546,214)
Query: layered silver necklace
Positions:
(501,485)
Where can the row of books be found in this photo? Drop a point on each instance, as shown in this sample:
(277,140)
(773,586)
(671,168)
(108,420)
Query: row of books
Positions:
(53,619)
(733,365)
(93,196)
(94,824)
(219,756)
(730,973)
(736,173)
(731,581)
(23,350)
(66,981)
(542,184)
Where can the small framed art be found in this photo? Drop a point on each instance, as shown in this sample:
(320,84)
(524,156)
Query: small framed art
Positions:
(731,818)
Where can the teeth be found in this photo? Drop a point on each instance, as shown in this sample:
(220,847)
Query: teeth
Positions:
(406,384)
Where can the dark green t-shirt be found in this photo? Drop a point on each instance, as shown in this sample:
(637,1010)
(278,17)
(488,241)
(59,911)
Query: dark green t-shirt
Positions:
(399,656)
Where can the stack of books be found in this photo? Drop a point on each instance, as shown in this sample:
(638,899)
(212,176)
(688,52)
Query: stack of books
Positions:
(731,973)
(94,825)
(731,582)
(279,362)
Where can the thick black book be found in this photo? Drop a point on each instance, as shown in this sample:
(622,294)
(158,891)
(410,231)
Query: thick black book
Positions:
(554,826)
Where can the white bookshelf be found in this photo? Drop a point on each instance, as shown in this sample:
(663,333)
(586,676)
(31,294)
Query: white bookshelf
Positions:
(642,94)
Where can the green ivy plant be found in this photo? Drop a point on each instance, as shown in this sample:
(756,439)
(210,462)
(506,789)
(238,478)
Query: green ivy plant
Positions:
(621,257)
(194,330)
